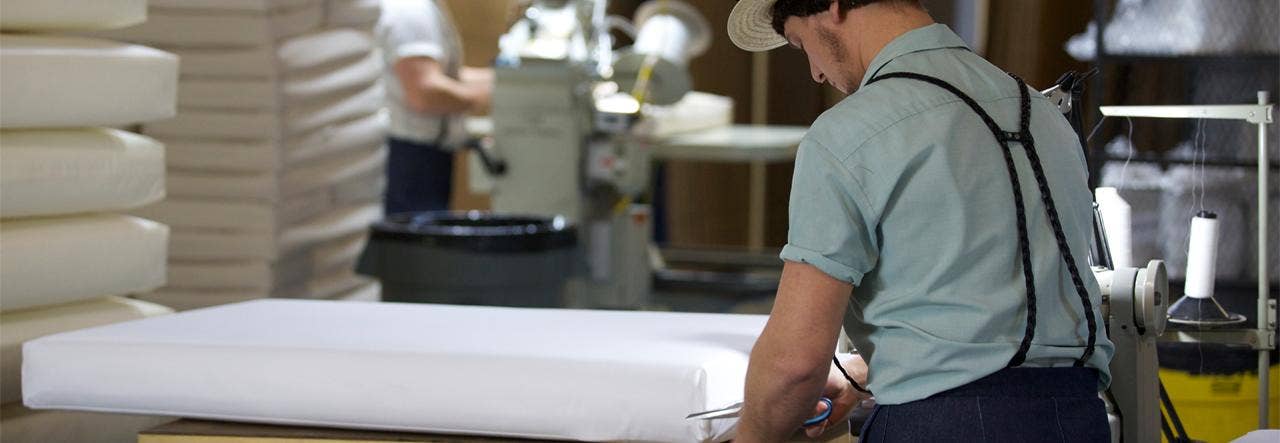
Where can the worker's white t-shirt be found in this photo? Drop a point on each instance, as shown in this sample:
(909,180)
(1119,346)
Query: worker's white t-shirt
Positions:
(418,28)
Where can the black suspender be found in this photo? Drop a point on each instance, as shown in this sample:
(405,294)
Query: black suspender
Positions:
(1023,136)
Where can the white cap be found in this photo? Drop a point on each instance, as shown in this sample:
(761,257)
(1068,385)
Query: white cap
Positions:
(751,26)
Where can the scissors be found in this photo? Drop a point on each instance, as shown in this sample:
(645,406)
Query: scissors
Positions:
(735,409)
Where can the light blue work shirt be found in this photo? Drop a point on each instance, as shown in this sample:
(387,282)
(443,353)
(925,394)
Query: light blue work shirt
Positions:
(901,190)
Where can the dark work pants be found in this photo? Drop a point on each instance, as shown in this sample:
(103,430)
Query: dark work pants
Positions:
(1011,405)
(419,177)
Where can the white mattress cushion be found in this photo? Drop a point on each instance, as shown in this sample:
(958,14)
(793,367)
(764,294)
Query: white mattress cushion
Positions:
(225,244)
(223,214)
(219,29)
(72,81)
(22,325)
(268,124)
(275,60)
(56,260)
(188,299)
(353,13)
(582,375)
(49,172)
(231,5)
(269,93)
(21,425)
(279,186)
(70,15)
(185,154)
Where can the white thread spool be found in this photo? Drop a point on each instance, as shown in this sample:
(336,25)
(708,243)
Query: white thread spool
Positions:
(1116,220)
(1202,256)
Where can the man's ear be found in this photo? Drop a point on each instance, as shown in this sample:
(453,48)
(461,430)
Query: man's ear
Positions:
(837,16)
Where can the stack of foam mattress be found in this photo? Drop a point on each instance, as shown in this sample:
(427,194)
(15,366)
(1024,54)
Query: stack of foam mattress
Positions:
(67,254)
(275,160)
(528,373)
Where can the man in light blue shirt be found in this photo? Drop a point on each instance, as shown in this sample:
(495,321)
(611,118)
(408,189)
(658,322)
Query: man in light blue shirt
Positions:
(941,214)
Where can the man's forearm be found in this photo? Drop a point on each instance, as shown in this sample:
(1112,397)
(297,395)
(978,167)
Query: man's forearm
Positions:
(780,396)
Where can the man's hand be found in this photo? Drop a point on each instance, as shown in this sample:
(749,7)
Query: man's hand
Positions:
(844,398)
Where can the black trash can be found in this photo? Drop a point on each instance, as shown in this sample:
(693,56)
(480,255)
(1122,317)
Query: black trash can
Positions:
(471,258)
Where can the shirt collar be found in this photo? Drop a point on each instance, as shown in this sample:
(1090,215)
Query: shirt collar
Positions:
(935,36)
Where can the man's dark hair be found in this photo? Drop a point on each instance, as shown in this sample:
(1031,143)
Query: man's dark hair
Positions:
(784,9)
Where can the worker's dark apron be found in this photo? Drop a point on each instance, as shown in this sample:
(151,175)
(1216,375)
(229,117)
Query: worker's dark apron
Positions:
(1067,387)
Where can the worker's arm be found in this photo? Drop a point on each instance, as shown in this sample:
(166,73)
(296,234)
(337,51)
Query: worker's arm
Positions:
(790,364)
(429,90)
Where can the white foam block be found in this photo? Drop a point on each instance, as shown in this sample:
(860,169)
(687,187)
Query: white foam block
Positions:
(188,299)
(272,186)
(268,60)
(583,375)
(370,291)
(222,214)
(21,425)
(50,172)
(70,15)
(212,28)
(267,93)
(351,134)
(352,13)
(215,244)
(185,154)
(246,6)
(27,324)
(59,260)
(71,81)
(268,124)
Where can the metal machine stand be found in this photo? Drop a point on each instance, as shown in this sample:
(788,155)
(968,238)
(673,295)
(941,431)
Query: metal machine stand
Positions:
(1134,304)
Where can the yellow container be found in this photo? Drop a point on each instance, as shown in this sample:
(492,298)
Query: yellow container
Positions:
(1220,408)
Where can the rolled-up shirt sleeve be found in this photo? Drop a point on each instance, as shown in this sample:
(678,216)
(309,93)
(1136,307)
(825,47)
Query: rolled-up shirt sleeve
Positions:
(831,225)
(416,30)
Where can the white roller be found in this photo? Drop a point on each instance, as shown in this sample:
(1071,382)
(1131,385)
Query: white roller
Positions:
(218,29)
(1202,256)
(70,15)
(583,375)
(52,172)
(59,260)
(71,81)
(267,93)
(19,424)
(274,60)
(28,324)
(1116,220)
(268,125)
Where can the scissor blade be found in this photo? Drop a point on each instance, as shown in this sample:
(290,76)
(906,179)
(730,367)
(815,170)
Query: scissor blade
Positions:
(726,412)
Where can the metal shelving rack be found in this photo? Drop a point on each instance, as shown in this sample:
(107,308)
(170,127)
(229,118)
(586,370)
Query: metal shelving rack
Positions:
(1263,337)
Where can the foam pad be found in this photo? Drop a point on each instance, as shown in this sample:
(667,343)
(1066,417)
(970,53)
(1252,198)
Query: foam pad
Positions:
(272,187)
(268,93)
(275,60)
(630,376)
(58,260)
(185,154)
(247,6)
(240,274)
(212,28)
(71,81)
(27,324)
(352,13)
(21,425)
(222,214)
(70,15)
(268,124)
(214,244)
(49,172)
(370,291)
(188,299)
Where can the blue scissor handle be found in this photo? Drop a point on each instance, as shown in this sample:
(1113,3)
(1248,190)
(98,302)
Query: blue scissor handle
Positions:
(821,417)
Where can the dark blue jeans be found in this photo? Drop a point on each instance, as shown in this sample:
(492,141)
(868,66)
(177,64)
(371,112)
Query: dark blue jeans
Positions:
(1011,405)
(419,177)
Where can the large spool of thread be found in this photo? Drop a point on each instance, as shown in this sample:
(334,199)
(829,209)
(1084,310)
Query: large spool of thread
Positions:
(1198,307)
(670,32)
(1117,221)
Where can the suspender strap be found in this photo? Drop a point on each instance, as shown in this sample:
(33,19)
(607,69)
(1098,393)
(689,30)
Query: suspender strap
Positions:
(1024,137)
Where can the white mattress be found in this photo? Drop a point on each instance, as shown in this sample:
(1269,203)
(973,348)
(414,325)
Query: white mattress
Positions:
(57,260)
(188,299)
(267,93)
(352,13)
(185,154)
(169,28)
(290,270)
(582,375)
(213,244)
(21,425)
(272,186)
(70,15)
(184,213)
(71,81)
(22,325)
(274,60)
(49,172)
(268,124)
